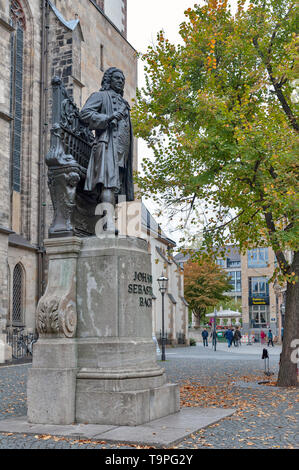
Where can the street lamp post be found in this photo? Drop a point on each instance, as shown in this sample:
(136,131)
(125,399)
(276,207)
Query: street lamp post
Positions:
(214,333)
(162,281)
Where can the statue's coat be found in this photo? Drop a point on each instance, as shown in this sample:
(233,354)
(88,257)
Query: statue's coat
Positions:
(103,166)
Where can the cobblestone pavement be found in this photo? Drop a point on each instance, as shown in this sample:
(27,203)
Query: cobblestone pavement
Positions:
(266,416)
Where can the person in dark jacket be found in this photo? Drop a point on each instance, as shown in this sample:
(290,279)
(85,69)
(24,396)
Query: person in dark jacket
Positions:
(237,337)
(213,335)
(270,338)
(229,337)
(205,335)
(233,332)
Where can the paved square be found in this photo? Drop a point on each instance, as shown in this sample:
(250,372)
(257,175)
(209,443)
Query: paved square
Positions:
(265,417)
(161,432)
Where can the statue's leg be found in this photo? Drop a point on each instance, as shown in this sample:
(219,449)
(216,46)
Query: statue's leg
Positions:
(122,180)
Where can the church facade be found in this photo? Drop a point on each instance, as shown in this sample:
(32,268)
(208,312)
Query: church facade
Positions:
(40,39)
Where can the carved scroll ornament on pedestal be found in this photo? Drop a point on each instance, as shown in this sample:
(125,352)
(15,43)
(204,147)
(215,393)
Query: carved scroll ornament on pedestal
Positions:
(56,312)
(53,318)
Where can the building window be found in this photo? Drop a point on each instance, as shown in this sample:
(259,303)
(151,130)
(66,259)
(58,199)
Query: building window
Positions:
(16,90)
(220,262)
(18,296)
(258,258)
(258,291)
(235,280)
(259,285)
(233,264)
(259,316)
(17,14)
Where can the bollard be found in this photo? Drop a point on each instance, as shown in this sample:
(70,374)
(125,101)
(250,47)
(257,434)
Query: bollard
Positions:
(2,352)
(5,349)
(265,357)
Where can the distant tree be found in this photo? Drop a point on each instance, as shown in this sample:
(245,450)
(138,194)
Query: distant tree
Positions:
(205,284)
(220,113)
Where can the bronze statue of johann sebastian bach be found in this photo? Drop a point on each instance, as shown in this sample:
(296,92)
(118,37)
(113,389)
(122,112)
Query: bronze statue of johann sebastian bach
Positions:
(110,168)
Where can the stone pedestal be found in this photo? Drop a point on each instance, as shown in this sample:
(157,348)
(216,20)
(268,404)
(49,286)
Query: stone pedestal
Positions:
(106,372)
(118,379)
(51,387)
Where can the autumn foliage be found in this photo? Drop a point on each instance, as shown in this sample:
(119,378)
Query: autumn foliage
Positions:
(205,284)
(220,113)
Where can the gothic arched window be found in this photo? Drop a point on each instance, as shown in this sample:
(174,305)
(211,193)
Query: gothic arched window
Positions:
(16,89)
(18,296)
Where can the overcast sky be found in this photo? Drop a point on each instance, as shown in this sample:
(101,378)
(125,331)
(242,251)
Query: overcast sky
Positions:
(145,19)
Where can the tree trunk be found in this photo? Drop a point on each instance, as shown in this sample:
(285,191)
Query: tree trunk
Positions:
(196,318)
(287,376)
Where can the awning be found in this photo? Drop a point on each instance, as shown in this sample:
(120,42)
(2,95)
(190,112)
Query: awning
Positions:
(225,314)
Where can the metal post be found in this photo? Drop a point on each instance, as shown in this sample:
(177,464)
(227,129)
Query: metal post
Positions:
(162,281)
(163,332)
(215,336)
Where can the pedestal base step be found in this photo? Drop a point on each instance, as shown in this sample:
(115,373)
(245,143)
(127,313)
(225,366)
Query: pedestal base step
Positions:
(125,408)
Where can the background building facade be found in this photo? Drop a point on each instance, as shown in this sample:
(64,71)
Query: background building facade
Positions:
(175,305)
(231,263)
(249,276)
(262,301)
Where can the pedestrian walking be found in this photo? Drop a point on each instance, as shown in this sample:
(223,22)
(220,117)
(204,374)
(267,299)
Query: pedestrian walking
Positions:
(263,336)
(214,339)
(205,335)
(237,337)
(229,337)
(233,340)
(270,338)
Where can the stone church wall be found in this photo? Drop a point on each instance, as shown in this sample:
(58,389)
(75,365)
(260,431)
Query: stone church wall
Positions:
(82,43)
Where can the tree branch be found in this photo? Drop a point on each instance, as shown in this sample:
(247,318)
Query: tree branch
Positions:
(255,168)
(277,87)
(272,172)
(289,227)
(276,29)
(231,220)
(283,264)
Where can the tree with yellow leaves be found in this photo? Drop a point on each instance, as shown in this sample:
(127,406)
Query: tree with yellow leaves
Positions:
(220,113)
